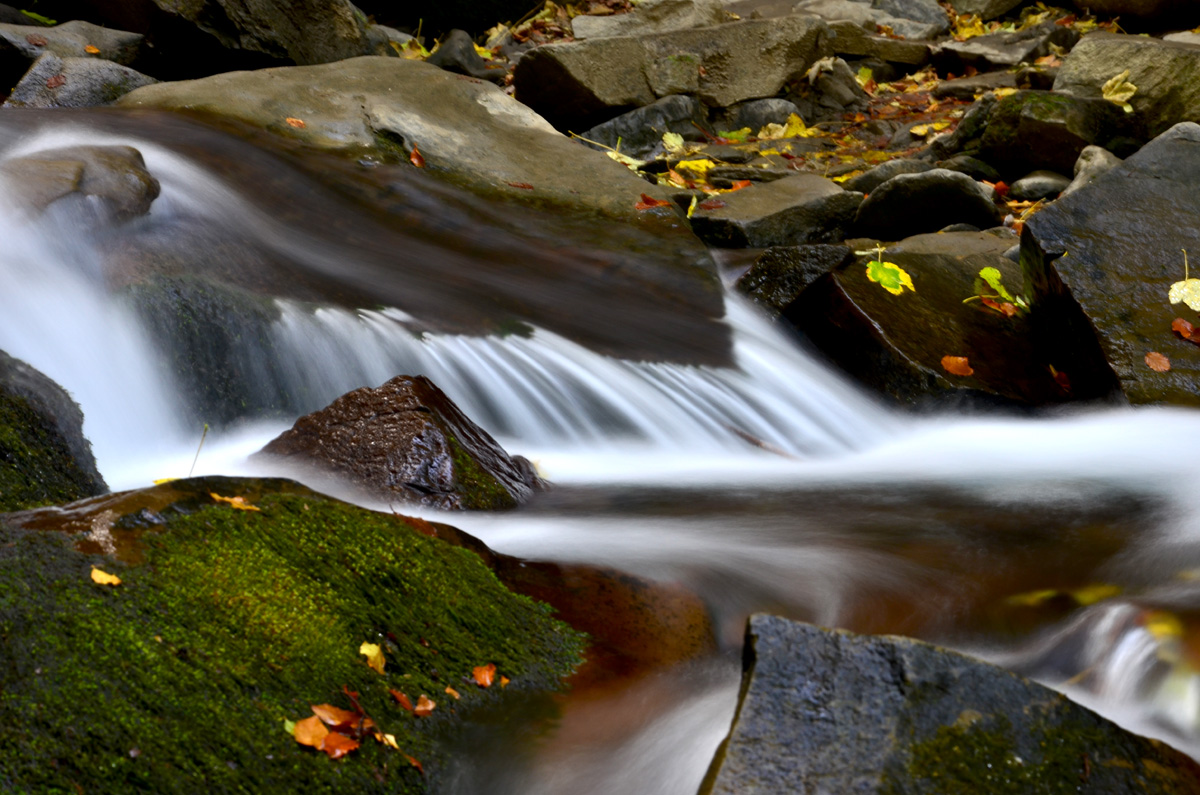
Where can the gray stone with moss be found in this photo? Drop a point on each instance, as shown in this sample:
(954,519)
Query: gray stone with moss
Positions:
(229,622)
(826,711)
(44,457)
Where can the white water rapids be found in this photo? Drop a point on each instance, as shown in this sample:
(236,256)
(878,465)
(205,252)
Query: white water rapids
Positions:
(609,427)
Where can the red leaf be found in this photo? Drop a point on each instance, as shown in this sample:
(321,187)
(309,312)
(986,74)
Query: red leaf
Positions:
(416,158)
(711,204)
(415,764)
(1184,329)
(1157,362)
(338,745)
(1001,189)
(1005,308)
(957,365)
(401,699)
(1061,378)
(1066,21)
(36,39)
(56,81)
(521,185)
(649,201)
(484,675)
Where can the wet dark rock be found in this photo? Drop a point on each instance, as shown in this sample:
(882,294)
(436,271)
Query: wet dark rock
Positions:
(1100,262)
(755,114)
(973,167)
(639,132)
(885,340)
(781,273)
(829,91)
(725,176)
(578,85)
(456,53)
(970,87)
(1033,130)
(804,208)
(116,175)
(985,9)
(44,457)
(851,39)
(1180,12)
(1038,78)
(54,82)
(651,16)
(1092,163)
(910,204)
(68,40)
(1039,185)
(912,19)
(870,180)
(407,440)
(967,134)
(998,50)
(12,16)
(1159,69)
(830,711)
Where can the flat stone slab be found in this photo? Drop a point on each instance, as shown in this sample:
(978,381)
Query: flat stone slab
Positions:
(799,209)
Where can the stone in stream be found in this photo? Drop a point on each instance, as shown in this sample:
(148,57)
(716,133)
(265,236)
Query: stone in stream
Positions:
(580,84)
(1041,184)
(639,132)
(1100,263)
(984,9)
(913,203)
(1161,70)
(850,39)
(895,344)
(44,456)
(754,113)
(1000,50)
(803,208)
(1093,161)
(781,273)
(456,53)
(973,167)
(830,711)
(868,181)
(406,440)
(54,82)
(829,91)
(68,40)
(651,16)
(115,175)
(911,19)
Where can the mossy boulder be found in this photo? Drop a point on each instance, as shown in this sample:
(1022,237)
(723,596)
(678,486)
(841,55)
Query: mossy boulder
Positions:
(830,711)
(44,457)
(229,621)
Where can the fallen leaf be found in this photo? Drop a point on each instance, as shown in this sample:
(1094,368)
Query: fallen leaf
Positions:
(957,365)
(335,716)
(1118,90)
(740,184)
(401,699)
(1186,291)
(504,680)
(484,674)
(484,53)
(521,185)
(91,49)
(1005,308)
(55,81)
(310,731)
(672,142)
(297,123)
(374,656)
(450,691)
(699,167)
(648,202)
(338,745)
(289,726)
(1157,362)
(234,502)
(1061,378)
(387,739)
(711,204)
(412,761)
(36,39)
(104,578)
(1185,330)
(889,276)
(416,158)
(629,162)
(1161,624)
(424,706)
(1001,189)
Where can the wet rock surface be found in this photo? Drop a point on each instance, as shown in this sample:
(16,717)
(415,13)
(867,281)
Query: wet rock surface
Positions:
(890,714)
(116,175)
(803,208)
(913,203)
(781,273)
(54,82)
(406,440)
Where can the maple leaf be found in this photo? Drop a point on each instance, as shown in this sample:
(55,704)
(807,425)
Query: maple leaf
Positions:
(374,656)
(957,365)
(1118,90)
(1186,291)
(484,674)
(104,578)
(1157,362)
(310,731)
(234,502)
(424,706)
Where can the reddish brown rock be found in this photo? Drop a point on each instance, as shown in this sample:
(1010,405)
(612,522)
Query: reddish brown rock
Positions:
(407,440)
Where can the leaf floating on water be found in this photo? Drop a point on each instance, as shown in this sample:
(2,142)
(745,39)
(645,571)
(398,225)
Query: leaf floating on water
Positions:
(374,656)
(1157,362)
(234,502)
(957,365)
(424,706)
(484,675)
(104,578)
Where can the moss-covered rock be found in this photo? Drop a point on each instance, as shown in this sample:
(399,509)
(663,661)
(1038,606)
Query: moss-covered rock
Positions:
(44,457)
(228,622)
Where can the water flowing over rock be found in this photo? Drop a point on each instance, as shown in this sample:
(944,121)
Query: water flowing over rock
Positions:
(44,456)
(407,440)
(830,711)
(780,274)
(115,175)
(1101,261)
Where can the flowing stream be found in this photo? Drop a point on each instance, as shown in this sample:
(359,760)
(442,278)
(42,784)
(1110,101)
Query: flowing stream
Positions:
(770,485)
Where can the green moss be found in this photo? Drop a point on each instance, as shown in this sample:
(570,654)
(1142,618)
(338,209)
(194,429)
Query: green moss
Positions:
(480,490)
(236,621)
(36,467)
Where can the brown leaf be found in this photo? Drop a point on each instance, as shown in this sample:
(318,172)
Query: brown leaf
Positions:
(416,158)
(297,123)
(1184,329)
(401,699)
(521,185)
(484,675)
(957,365)
(424,706)
(338,745)
(56,81)
(649,201)
(310,731)
(335,716)
(1157,362)
(36,39)
(711,204)
(412,761)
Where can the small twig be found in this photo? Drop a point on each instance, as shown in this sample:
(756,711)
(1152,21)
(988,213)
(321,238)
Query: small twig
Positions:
(198,448)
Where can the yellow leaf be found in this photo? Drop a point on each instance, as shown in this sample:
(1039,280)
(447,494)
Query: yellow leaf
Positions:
(1162,625)
(484,53)
(1091,594)
(1033,598)
(698,167)
(1186,291)
(387,739)
(889,276)
(234,502)
(374,656)
(672,142)
(1004,92)
(625,160)
(1118,90)
(967,26)
(104,578)
(161,481)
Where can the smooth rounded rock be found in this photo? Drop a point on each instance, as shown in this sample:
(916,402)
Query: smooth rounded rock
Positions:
(1039,185)
(910,204)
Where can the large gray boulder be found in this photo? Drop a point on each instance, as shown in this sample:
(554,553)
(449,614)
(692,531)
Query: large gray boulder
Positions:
(1099,264)
(55,82)
(580,84)
(911,19)
(1162,71)
(985,9)
(466,129)
(824,711)
(651,16)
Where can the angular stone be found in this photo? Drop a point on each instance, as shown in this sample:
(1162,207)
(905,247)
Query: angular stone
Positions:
(456,53)
(873,15)
(54,82)
(850,38)
(781,273)
(800,209)
(973,167)
(998,50)
(1100,263)
(830,91)
(985,9)
(651,16)
(755,114)
(639,132)
(578,85)
(970,87)
(827,711)
(1039,185)
(407,440)
(910,204)
(1161,70)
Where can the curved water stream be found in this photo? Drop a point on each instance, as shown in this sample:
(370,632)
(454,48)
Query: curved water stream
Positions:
(768,485)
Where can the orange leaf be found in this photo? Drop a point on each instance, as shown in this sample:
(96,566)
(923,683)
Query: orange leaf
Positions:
(297,123)
(738,184)
(711,204)
(424,706)
(484,674)
(504,680)
(1001,189)
(649,201)
(338,745)
(415,764)
(91,49)
(310,731)
(957,365)
(1006,309)
(416,158)
(36,39)
(401,699)
(234,502)
(1183,328)
(104,578)
(452,693)
(335,716)
(1157,362)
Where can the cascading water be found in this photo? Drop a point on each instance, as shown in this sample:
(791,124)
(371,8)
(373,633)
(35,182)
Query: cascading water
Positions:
(769,485)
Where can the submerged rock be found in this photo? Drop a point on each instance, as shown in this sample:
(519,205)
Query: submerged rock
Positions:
(44,456)
(830,711)
(115,175)
(407,440)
